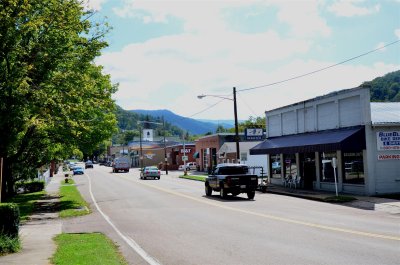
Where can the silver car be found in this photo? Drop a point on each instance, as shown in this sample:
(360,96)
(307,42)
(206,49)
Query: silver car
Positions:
(150,172)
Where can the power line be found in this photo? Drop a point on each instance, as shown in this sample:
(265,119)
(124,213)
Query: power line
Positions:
(320,70)
(213,105)
(299,76)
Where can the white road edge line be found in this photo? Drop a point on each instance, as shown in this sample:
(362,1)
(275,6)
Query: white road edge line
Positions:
(132,243)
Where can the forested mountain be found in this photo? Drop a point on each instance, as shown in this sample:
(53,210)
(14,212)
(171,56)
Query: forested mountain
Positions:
(192,126)
(385,88)
(128,120)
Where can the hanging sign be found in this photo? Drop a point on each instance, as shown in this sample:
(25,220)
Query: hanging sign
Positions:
(254,134)
(389,140)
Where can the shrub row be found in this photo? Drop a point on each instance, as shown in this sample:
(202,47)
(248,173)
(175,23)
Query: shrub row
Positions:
(9,221)
(31,186)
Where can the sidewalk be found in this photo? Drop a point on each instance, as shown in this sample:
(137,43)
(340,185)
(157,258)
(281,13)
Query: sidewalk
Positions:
(363,202)
(37,233)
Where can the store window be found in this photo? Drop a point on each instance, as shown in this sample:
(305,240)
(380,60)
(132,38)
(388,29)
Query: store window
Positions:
(243,157)
(290,165)
(327,172)
(353,168)
(275,166)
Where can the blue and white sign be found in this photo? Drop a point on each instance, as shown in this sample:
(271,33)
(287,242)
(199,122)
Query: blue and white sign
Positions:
(254,134)
(388,140)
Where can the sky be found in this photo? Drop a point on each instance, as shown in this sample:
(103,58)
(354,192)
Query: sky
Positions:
(163,54)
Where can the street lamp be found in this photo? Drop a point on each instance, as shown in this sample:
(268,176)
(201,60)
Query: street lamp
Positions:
(236,119)
(165,146)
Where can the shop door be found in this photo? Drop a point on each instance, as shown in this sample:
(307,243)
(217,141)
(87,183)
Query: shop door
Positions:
(307,170)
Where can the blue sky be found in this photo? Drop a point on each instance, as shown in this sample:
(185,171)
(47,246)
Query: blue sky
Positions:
(165,53)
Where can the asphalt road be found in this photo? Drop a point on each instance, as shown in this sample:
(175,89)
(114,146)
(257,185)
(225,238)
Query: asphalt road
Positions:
(170,221)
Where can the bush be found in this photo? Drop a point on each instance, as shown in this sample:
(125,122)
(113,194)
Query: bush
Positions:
(31,186)
(9,221)
(9,244)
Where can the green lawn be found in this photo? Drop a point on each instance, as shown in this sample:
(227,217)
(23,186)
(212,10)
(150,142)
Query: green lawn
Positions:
(82,249)
(194,177)
(71,201)
(26,203)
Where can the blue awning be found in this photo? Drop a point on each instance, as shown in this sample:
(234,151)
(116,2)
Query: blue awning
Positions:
(196,155)
(349,139)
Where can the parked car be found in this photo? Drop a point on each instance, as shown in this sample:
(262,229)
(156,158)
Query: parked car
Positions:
(189,166)
(78,170)
(150,172)
(71,165)
(88,164)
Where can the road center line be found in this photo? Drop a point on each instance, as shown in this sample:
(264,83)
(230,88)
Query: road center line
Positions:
(132,243)
(267,216)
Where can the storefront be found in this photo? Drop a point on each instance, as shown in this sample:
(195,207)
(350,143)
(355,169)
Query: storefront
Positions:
(304,138)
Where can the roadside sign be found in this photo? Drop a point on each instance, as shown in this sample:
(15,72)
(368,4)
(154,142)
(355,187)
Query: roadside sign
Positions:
(184,158)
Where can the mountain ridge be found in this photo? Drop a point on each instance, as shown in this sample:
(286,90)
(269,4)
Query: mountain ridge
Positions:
(193,126)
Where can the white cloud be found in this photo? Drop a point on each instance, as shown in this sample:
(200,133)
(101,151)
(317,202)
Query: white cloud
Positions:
(210,58)
(350,8)
(397,33)
(381,46)
(95,4)
(303,17)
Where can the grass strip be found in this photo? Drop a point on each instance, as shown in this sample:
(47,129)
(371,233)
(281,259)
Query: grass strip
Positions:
(194,177)
(71,201)
(26,203)
(91,248)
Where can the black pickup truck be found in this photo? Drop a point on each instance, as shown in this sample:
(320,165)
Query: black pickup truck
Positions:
(231,178)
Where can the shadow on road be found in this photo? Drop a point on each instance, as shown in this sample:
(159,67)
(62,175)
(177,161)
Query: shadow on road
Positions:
(228,198)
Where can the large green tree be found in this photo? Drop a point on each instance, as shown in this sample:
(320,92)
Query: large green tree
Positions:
(54,100)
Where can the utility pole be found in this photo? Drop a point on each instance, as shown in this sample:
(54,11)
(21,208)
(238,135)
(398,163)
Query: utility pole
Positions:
(141,149)
(236,126)
(1,176)
(165,150)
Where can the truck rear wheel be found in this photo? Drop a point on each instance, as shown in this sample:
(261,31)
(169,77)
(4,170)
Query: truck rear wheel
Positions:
(251,194)
(208,190)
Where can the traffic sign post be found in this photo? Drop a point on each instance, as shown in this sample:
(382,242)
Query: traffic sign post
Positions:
(334,165)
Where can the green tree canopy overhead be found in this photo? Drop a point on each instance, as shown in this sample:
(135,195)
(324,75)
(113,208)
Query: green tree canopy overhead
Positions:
(53,98)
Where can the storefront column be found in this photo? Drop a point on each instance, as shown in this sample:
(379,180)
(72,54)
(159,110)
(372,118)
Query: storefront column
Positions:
(318,171)
(269,171)
(282,166)
(298,164)
(339,170)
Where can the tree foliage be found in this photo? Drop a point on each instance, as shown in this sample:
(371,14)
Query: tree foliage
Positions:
(53,99)
(385,88)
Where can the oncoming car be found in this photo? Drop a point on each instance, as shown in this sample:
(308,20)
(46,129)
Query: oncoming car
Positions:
(150,172)
(88,164)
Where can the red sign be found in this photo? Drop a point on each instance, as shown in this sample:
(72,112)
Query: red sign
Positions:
(389,157)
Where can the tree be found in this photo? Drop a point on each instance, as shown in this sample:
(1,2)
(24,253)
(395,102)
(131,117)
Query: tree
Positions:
(53,99)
